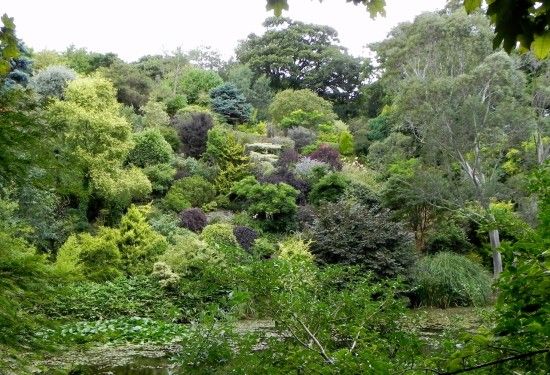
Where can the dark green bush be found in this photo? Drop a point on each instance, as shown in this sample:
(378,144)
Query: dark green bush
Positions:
(193,132)
(350,233)
(329,188)
(447,279)
(274,205)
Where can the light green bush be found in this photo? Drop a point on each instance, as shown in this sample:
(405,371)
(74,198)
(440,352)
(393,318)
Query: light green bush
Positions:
(447,279)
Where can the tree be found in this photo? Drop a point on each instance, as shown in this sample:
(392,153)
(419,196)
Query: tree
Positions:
(471,121)
(288,101)
(133,86)
(193,130)
(229,102)
(8,45)
(206,58)
(195,84)
(524,22)
(93,143)
(52,81)
(256,91)
(294,55)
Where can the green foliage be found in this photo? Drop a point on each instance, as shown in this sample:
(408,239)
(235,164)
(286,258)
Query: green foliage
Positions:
(193,130)
(274,205)
(299,117)
(219,235)
(345,143)
(349,233)
(229,102)
(119,298)
(26,282)
(8,45)
(197,82)
(139,244)
(188,192)
(160,176)
(446,280)
(295,249)
(95,257)
(224,150)
(132,85)
(312,106)
(190,255)
(308,57)
(530,33)
(150,149)
(329,188)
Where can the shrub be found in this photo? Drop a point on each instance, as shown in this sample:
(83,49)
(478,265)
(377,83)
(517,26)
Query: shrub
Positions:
(229,102)
(95,257)
(197,82)
(193,219)
(310,120)
(175,103)
(447,279)
(219,235)
(189,253)
(310,169)
(160,176)
(193,131)
(301,137)
(329,188)
(190,192)
(150,149)
(345,143)
(245,236)
(305,217)
(288,101)
(139,244)
(296,249)
(52,81)
(288,158)
(274,205)
(353,234)
(328,155)
(187,167)
(283,175)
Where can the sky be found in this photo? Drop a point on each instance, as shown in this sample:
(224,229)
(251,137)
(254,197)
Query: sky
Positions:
(134,28)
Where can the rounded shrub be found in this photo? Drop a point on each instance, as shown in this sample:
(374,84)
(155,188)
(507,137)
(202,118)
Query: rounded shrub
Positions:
(53,80)
(447,279)
(193,219)
(328,155)
(245,236)
(302,137)
(350,233)
(219,234)
(150,149)
(328,189)
(189,192)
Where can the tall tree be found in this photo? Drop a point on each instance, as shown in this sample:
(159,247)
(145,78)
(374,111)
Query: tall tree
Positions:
(471,120)
(297,55)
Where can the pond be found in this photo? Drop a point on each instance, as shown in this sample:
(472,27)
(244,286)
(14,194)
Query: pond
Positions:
(139,366)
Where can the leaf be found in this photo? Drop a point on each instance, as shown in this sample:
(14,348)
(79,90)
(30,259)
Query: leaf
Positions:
(4,67)
(541,45)
(10,51)
(8,22)
(277,6)
(471,5)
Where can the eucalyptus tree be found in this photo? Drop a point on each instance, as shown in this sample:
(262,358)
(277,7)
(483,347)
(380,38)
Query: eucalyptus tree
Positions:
(470,121)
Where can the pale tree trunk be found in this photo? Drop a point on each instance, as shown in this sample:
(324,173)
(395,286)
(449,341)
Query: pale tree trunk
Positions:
(494,238)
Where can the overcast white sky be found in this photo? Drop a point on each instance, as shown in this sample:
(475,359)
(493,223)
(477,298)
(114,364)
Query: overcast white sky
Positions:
(133,28)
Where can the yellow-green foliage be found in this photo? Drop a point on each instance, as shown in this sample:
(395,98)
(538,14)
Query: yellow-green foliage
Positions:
(95,257)
(189,253)
(131,248)
(139,244)
(187,192)
(219,235)
(345,143)
(294,248)
(96,140)
(503,217)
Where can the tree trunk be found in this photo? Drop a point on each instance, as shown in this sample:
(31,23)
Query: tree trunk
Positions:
(495,245)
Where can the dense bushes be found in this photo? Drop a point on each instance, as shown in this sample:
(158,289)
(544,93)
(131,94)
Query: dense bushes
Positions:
(350,233)
(193,219)
(193,131)
(447,279)
(274,205)
(188,192)
(150,149)
(245,236)
(328,155)
(329,188)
